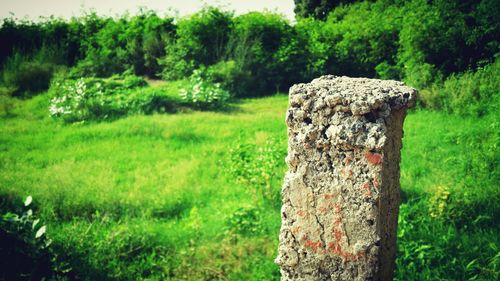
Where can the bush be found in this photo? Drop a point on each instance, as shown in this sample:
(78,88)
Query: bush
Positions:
(203,93)
(30,77)
(96,99)
(149,101)
(256,54)
(318,46)
(265,53)
(201,39)
(127,43)
(365,36)
(27,75)
(156,37)
(132,81)
(469,93)
(231,76)
(439,38)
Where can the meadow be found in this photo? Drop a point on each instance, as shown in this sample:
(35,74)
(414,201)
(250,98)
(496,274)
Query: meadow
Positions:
(181,196)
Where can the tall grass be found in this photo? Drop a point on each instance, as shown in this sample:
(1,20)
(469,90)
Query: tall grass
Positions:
(473,93)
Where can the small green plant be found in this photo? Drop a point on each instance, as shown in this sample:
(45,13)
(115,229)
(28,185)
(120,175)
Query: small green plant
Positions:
(202,93)
(259,167)
(26,225)
(439,201)
(244,221)
(24,241)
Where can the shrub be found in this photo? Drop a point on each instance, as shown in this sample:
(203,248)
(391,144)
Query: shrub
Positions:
(73,101)
(154,43)
(149,101)
(316,9)
(231,76)
(469,93)
(93,98)
(201,39)
(132,81)
(318,47)
(127,43)
(26,75)
(444,37)
(265,53)
(203,93)
(365,36)
(30,77)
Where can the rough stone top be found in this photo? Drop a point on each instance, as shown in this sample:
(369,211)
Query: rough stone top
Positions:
(358,96)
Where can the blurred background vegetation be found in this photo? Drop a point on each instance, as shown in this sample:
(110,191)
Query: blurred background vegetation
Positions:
(191,191)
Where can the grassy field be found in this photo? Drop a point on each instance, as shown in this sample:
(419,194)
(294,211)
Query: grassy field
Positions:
(164,197)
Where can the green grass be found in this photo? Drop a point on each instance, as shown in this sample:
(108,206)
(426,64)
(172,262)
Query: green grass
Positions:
(149,197)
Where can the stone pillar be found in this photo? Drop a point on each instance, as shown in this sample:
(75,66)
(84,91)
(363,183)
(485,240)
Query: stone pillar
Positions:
(341,193)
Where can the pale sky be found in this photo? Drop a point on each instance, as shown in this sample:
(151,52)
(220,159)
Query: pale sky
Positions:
(33,9)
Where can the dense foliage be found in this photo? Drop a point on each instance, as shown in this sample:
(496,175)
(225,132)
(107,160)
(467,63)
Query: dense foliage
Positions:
(200,40)
(318,9)
(203,93)
(421,42)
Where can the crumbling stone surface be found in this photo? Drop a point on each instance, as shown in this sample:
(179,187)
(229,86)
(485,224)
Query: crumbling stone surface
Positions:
(341,192)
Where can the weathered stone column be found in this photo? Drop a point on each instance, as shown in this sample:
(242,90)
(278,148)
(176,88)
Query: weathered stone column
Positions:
(341,192)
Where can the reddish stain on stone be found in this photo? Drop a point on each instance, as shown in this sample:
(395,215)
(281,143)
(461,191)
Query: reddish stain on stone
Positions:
(337,234)
(295,229)
(348,161)
(374,158)
(335,247)
(375,182)
(366,186)
(313,245)
(347,256)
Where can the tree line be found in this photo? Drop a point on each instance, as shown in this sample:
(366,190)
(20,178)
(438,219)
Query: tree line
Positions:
(424,43)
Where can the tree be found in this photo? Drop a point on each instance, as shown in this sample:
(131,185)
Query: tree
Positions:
(318,9)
